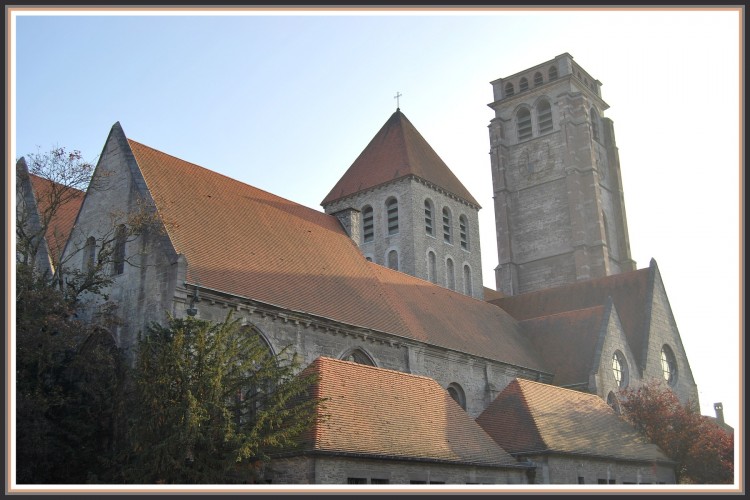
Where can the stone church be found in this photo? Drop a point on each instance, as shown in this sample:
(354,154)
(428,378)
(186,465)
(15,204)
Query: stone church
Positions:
(432,377)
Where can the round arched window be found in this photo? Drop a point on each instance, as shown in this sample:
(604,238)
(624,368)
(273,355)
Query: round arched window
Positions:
(457,393)
(620,369)
(668,365)
(612,401)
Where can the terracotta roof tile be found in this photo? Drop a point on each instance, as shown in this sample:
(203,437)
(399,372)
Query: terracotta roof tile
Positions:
(531,417)
(566,342)
(61,225)
(449,319)
(398,150)
(378,412)
(629,291)
(249,243)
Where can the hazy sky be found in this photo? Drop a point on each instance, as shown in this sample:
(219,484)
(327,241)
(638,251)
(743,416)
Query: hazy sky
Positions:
(287,102)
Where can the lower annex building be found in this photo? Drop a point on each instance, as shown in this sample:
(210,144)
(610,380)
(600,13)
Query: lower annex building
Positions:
(382,294)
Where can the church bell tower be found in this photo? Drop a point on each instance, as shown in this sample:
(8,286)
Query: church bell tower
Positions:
(559,208)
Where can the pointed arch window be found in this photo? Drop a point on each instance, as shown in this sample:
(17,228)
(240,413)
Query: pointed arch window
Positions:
(552,73)
(620,369)
(668,365)
(544,116)
(250,399)
(523,124)
(509,89)
(392,209)
(393,260)
(431,267)
(467,280)
(428,229)
(450,274)
(118,256)
(89,254)
(447,226)
(594,124)
(523,85)
(463,232)
(359,356)
(538,79)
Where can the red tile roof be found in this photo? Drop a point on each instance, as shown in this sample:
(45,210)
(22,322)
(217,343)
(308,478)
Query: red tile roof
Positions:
(565,337)
(531,417)
(398,150)
(630,292)
(249,243)
(384,413)
(64,217)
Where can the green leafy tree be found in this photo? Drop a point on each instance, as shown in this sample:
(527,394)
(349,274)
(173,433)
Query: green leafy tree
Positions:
(703,451)
(69,376)
(213,404)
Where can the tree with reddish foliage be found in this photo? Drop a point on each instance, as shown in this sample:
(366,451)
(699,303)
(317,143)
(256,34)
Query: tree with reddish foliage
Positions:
(703,452)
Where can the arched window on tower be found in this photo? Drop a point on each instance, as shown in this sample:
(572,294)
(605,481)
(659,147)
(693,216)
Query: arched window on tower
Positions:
(447,226)
(450,274)
(431,267)
(552,73)
(523,124)
(467,280)
(538,79)
(509,90)
(463,232)
(428,211)
(594,124)
(544,116)
(393,260)
(392,208)
(523,84)
(368,227)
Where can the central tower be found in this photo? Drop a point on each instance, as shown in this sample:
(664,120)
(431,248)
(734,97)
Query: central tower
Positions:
(407,210)
(559,209)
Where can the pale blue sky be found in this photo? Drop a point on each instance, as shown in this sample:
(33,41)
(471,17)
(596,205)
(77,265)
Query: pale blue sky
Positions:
(287,102)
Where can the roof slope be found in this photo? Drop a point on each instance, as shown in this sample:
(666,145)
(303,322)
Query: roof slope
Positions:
(398,150)
(377,412)
(61,224)
(567,343)
(249,243)
(531,417)
(630,293)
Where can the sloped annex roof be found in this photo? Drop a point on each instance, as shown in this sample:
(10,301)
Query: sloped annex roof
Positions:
(398,150)
(385,413)
(61,224)
(531,418)
(629,291)
(246,242)
(564,337)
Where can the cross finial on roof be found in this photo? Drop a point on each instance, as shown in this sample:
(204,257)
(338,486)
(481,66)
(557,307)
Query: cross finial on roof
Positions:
(398,94)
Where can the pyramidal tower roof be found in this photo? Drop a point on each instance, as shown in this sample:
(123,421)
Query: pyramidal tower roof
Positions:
(398,150)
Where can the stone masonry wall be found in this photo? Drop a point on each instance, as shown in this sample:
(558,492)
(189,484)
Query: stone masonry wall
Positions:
(338,470)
